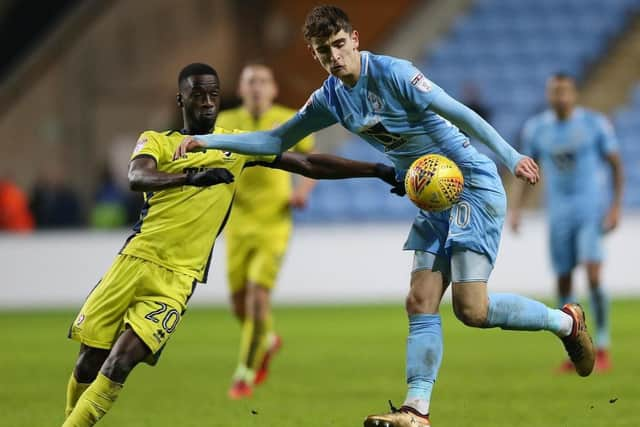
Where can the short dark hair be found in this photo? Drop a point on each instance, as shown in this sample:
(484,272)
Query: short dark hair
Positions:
(563,75)
(324,21)
(195,69)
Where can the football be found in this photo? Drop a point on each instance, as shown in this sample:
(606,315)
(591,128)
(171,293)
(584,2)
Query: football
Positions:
(434,183)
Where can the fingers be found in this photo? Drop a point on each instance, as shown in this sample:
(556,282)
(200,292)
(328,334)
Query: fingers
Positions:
(528,173)
(179,153)
(189,143)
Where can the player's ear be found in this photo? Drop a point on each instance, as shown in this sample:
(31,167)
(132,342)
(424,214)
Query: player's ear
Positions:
(313,52)
(179,100)
(355,36)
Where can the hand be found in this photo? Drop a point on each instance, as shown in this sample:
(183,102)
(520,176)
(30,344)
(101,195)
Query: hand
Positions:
(188,144)
(527,170)
(514,220)
(612,219)
(209,177)
(298,200)
(388,175)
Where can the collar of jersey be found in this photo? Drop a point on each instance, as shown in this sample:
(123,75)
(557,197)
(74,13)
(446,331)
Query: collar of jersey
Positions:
(364,70)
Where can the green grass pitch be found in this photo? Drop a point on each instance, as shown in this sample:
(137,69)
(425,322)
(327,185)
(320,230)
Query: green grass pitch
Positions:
(337,365)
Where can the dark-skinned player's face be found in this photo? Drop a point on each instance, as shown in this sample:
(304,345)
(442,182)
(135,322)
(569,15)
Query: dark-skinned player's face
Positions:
(200,96)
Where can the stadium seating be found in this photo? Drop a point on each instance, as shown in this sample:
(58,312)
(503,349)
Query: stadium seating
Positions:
(507,49)
(626,120)
(498,41)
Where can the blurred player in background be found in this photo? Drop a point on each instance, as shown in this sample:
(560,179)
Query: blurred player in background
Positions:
(133,311)
(575,146)
(259,228)
(390,104)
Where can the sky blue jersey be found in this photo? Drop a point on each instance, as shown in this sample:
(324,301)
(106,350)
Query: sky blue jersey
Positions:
(572,155)
(393,107)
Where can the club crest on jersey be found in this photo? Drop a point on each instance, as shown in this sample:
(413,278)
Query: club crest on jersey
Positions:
(80,319)
(140,144)
(420,82)
(376,101)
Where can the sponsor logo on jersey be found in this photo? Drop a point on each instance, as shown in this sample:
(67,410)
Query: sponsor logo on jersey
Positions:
(390,140)
(195,169)
(420,82)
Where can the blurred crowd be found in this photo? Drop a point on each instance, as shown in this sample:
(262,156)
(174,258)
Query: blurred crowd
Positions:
(53,204)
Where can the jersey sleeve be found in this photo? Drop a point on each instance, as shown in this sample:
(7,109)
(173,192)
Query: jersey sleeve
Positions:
(315,113)
(527,140)
(607,141)
(413,88)
(250,159)
(148,145)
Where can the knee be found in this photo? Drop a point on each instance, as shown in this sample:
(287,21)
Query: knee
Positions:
(238,310)
(417,303)
(262,304)
(119,364)
(238,305)
(88,364)
(594,279)
(474,316)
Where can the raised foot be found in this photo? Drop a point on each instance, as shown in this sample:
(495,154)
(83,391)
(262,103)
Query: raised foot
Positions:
(578,344)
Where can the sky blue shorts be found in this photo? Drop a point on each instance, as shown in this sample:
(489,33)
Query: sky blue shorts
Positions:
(575,241)
(473,224)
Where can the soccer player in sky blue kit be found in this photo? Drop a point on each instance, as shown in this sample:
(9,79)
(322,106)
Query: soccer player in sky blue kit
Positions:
(574,146)
(395,108)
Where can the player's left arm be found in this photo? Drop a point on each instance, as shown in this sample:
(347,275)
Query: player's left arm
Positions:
(420,93)
(608,145)
(613,216)
(327,166)
(465,118)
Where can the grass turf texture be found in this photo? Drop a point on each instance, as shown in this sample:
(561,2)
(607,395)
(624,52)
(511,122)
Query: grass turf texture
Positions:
(337,365)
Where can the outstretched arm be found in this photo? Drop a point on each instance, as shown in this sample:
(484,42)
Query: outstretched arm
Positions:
(144,176)
(274,141)
(471,123)
(327,166)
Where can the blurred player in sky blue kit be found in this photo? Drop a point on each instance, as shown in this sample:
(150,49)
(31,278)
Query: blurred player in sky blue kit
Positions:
(395,108)
(575,146)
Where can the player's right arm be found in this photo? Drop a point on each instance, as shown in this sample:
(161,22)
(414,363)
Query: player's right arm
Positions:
(311,118)
(145,176)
